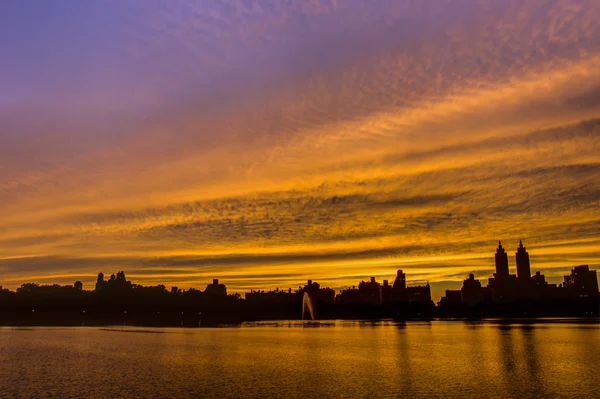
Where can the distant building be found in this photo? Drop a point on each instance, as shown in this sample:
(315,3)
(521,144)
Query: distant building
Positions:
(504,289)
(386,292)
(279,297)
(370,292)
(488,293)
(216,289)
(78,285)
(100,283)
(399,288)
(501,259)
(174,290)
(348,296)
(121,277)
(419,293)
(116,282)
(318,294)
(471,291)
(504,285)
(522,260)
(540,289)
(401,293)
(452,298)
(539,279)
(582,282)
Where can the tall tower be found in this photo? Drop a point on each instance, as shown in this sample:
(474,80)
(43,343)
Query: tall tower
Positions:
(399,292)
(501,262)
(400,281)
(523,266)
(100,281)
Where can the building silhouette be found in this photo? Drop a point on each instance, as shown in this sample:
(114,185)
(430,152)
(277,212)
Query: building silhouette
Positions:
(501,259)
(419,293)
(348,296)
(471,292)
(276,295)
(116,282)
(452,298)
(582,282)
(316,293)
(216,289)
(370,292)
(402,293)
(522,261)
(100,283)
(117,300)
(503,285)
(399,287)
(386,292)
(373,293)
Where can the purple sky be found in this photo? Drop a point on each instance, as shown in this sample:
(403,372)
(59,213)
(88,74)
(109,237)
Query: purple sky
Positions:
(266,142)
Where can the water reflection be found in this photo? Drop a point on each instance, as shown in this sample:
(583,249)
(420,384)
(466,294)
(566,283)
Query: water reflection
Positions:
(311,359)
(404,369)
(530,349)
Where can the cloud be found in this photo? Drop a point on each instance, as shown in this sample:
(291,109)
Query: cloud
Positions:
(276,140)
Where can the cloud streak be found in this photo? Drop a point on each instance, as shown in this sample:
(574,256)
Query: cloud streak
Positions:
(267,142)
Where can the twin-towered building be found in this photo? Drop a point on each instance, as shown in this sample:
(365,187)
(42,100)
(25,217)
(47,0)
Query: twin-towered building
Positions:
(505,287)
(117,300)
(522,261)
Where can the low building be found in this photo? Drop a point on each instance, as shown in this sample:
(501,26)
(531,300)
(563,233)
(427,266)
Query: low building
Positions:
(277,296)
(348,296)
(452,298)
(418,293)
(216,289)
(471,291)
(386,292)
(318,294)
(370,292)
(582,282)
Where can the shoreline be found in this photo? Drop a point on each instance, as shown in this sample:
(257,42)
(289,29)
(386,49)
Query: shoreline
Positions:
(327,322)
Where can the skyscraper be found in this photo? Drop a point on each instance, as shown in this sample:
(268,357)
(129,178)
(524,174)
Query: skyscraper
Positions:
(501,262)
(399,288)
(523,266)
(100,283)
(400,281)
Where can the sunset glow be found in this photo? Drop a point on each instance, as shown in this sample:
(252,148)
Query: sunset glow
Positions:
(267,143)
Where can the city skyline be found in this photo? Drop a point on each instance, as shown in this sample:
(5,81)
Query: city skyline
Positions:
(520,271)
(299,198)
(270,142)
(118,300)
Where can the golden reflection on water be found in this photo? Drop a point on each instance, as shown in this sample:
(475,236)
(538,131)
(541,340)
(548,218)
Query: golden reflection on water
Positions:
(310,359)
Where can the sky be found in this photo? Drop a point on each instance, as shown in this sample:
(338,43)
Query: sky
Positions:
(267,142)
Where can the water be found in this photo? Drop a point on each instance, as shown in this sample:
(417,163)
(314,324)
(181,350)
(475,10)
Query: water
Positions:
(310,359)
(307,305)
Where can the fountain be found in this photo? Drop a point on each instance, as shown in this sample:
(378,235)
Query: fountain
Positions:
(307,304)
